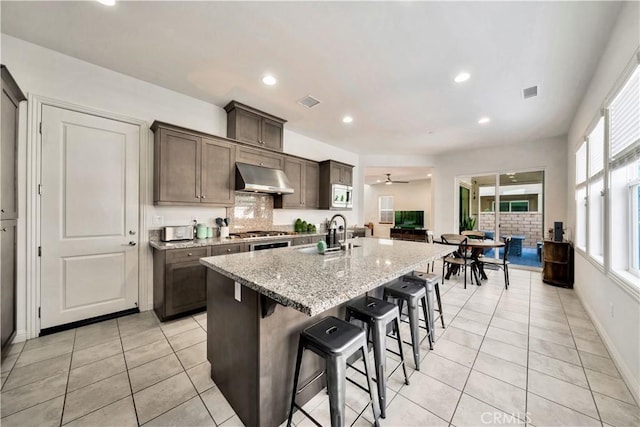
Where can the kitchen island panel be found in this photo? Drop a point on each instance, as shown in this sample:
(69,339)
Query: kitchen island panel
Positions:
(253,357)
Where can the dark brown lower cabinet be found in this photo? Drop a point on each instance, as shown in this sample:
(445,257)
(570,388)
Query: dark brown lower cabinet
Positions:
(306,240)
(8,236)
(179,281)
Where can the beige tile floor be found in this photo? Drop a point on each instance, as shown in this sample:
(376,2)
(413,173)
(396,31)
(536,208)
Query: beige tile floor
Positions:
(527,355)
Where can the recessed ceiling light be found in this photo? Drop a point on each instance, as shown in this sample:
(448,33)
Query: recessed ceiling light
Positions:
(462,77)
(484,120)
(269,80)
(347,119)
(378,180)
(107,2)
(429,175)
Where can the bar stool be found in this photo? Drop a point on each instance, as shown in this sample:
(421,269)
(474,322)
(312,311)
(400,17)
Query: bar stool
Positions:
(377,315)
(414,294)
(432,282)
(334,340)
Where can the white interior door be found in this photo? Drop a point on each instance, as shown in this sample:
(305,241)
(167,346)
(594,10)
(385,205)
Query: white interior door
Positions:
(89,216)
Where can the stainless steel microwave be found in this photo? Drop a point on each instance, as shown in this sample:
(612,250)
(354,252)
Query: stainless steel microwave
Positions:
(341,196)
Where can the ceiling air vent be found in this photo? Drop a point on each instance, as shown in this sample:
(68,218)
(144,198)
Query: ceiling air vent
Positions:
(308,101)
(530,92)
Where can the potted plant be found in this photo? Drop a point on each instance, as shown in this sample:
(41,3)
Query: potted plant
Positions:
(468,223)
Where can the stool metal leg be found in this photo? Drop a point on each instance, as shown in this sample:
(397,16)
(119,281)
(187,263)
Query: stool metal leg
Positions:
(396,325)
(336,385)
(414,318)
(437,289)
(296,377)
(380,358)
(428,321)
(367,370)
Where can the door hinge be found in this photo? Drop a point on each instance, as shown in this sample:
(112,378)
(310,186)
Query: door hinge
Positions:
(40,128)
(40,189)
(39,250)
(39,312)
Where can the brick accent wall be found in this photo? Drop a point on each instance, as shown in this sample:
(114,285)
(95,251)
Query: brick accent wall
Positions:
(528,224)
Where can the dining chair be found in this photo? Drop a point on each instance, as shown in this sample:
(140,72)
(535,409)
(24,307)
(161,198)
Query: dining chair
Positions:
(501,263)
(474,234)
(457,259)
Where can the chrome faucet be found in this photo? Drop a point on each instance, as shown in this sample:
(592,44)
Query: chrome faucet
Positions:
(344,220)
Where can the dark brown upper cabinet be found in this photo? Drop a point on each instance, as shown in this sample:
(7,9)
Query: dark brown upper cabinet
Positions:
(333,174)
(253,156)
(253,126)
(303,175)
(191,169)
(339,173)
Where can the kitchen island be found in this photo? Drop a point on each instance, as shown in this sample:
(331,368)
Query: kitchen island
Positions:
(258,302)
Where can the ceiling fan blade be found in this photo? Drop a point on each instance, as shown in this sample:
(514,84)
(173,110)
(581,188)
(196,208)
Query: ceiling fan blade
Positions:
(400,182)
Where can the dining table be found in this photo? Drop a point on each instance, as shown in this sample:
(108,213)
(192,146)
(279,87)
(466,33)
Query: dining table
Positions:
(477,247)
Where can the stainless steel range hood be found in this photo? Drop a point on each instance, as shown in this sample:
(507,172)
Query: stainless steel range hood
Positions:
(262,180)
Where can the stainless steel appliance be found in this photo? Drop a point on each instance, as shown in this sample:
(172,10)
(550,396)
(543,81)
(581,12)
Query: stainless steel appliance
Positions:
(341,196)
(261,179)
(259,246)
(176,232)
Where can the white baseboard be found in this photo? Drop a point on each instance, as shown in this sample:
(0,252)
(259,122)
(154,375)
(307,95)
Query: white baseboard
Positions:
(20,336)
(627,376)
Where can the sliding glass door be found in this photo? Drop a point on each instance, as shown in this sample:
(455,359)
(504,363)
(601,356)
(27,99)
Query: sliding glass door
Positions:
(509,204)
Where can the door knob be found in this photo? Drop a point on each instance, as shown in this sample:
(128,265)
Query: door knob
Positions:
(132,243)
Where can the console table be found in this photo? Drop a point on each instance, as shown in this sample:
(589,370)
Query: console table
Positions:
(413,234)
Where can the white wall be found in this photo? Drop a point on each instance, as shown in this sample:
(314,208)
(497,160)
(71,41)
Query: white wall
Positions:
(621,332)
(548,155)
(44,72)
(415,196)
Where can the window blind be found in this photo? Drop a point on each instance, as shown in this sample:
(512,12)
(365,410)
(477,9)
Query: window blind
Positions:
(624,122)
(581,164)
(596,148)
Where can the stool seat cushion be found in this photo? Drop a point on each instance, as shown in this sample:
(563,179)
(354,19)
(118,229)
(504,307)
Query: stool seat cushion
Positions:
(405,289)
(373,308)
(333,335)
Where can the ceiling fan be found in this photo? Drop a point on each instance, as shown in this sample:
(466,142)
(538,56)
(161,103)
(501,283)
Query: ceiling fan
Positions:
(390,181)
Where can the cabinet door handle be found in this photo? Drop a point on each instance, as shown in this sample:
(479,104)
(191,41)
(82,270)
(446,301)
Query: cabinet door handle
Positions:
(197,197)
(189,254)
(228,250)
(204,197)
(261,142)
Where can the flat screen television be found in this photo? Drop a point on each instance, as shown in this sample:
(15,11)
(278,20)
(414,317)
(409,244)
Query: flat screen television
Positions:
(409,219)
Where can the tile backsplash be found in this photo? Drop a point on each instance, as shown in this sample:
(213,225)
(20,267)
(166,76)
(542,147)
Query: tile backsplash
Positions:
(252,211)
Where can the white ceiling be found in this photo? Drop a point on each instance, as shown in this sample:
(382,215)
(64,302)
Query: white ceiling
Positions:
(390,65)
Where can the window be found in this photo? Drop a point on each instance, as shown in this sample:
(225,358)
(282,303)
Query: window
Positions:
(624,177)
(385,209)
(608,185)
(512,206)
(581,197)
(595,192)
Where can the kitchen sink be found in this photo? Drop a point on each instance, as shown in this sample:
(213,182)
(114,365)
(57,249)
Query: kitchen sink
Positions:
(314,250)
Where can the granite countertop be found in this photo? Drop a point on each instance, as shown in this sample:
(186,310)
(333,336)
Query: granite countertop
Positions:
(196,243)
(313,283)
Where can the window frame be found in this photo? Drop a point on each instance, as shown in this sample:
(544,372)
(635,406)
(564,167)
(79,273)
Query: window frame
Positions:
(626,273)
(381,210)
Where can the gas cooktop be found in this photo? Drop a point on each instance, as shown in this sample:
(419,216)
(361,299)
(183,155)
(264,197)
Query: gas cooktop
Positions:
(260,233)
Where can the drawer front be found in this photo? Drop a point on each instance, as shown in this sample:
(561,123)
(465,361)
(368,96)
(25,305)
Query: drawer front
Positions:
(227,249)
(185,255)
(306,240)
